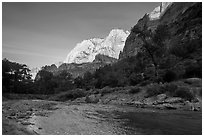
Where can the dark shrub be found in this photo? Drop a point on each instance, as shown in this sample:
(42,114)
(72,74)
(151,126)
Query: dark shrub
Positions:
(78,93)
(106,90)
(4,89)
(134,90)
(169,88)
(200,93)
(169,76)
(135,79)
(154,89)
(69,95)
(185,93)
(144,83)
(193,70)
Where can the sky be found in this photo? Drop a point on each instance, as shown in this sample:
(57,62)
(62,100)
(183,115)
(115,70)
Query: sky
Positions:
(38,34)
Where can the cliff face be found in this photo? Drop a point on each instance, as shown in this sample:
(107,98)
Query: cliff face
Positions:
(92,54)
(104,59)
(88,49)
(184,21)
(80,69)
(158,12)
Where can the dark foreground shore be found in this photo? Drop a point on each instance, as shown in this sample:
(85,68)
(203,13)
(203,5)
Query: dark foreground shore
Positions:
(52,117)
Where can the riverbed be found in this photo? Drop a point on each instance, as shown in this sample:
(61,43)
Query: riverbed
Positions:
(68,118)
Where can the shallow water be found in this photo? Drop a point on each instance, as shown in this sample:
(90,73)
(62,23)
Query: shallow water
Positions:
(108,120)
(160,122)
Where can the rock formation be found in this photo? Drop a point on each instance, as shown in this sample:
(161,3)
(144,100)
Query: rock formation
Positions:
(184,20)
(88,49)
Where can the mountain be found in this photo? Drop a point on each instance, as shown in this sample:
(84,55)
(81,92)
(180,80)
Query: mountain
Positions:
(183,19)
(79,69)
(34,72)
(86,51)
(99,58)
(159,11)
(184,22)
(58,63)
(163,47)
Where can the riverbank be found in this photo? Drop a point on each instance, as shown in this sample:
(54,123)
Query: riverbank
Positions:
(181,95)
(184,94)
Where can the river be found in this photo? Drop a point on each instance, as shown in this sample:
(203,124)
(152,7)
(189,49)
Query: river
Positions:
(61,118)
(166,122)
(107,119)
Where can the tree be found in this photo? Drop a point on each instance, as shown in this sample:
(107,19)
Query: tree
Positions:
(79,82)
(135,78)
(45,83)
(64,80)
(15,77)
(45,75)
(88,80)
(6,76)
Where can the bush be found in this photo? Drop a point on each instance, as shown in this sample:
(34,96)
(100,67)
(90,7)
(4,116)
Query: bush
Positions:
(134,90)
(193,70)
(185,93)
(200,93)
(154,89)
(144,83)
(135,79)
(78,93)
(169,88)
(106,90)
(169,76)
(69,95)
(4,89)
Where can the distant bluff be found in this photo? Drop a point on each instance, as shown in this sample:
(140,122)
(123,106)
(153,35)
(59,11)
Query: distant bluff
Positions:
(110,46)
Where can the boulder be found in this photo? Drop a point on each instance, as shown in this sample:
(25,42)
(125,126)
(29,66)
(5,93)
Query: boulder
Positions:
(136,103)
(197,91)
(169,106)
(161,97)
(80,100)
(165,106)
(149,101)
(27,123)
(192,106)
(173,100)
(92,99)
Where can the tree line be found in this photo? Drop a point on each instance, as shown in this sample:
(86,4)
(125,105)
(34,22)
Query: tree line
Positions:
(154,62)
